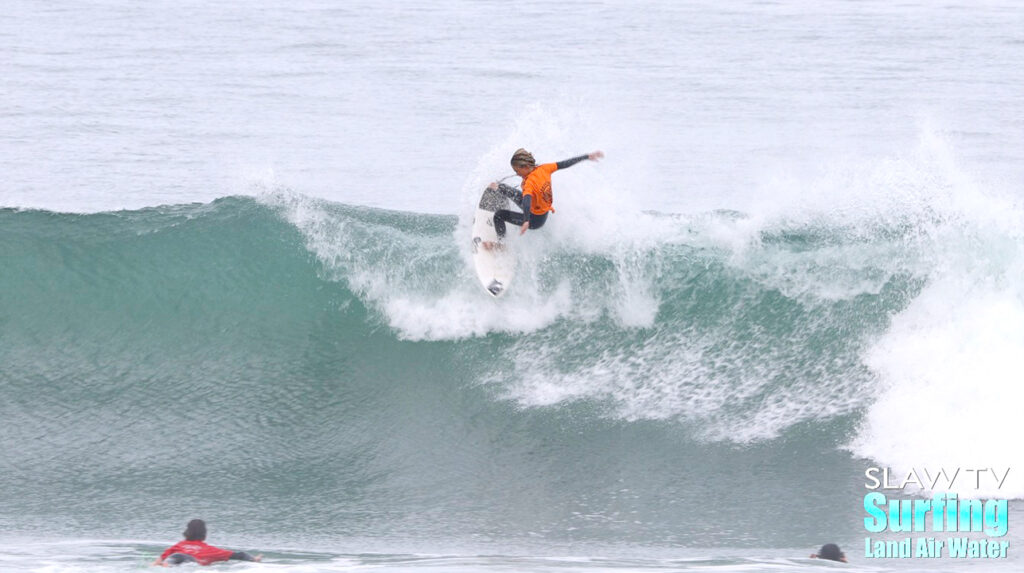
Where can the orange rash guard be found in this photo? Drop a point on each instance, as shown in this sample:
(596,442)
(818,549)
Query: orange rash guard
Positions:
(538,186)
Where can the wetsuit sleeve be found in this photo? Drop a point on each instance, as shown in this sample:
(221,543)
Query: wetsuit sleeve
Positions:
(242,556)
(570,162)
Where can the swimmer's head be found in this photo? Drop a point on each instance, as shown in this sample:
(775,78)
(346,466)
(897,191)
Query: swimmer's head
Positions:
(196,530)
(831,552)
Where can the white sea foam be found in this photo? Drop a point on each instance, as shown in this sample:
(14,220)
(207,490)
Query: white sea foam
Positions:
(950,365)
(393,272)
(950,372)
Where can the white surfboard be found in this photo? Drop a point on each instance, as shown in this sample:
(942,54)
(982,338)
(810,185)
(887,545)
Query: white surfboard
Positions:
(495,265)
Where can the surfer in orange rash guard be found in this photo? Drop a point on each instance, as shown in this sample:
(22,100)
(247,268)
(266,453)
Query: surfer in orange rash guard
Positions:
(535,199)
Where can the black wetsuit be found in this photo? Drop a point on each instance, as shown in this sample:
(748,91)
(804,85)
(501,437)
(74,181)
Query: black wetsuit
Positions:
(524,202)
(179,558)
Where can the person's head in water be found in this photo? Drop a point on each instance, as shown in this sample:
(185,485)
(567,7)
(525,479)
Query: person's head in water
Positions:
(523,162)
(831,552)
(196,530)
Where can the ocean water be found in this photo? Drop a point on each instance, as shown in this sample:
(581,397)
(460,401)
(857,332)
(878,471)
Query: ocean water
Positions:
(235,281)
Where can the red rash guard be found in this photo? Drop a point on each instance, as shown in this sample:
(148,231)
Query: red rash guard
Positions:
(204,554)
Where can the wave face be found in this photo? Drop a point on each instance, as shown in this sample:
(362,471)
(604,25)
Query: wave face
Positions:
(310,370)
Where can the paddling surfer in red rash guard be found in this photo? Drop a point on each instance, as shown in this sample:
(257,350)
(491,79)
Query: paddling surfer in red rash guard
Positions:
(195,550)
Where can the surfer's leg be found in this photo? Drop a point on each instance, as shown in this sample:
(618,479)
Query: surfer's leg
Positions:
(503,216)
(537,221)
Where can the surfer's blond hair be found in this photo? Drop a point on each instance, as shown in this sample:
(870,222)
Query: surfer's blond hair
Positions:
(523,158)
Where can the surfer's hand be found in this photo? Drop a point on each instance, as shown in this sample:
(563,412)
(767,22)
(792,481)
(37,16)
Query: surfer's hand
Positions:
(258,558)
(493,185)
(595,155)
(524,228)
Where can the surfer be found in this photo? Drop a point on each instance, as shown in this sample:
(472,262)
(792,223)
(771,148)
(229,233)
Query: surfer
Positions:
(535,199)
(195,550)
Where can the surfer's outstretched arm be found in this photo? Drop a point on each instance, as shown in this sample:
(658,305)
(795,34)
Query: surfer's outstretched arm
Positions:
(570,162)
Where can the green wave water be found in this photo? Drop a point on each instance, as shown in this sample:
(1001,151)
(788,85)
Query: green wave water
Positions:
(309,375)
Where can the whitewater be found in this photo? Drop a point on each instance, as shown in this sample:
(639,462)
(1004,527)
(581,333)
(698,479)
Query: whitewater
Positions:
(237,284)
